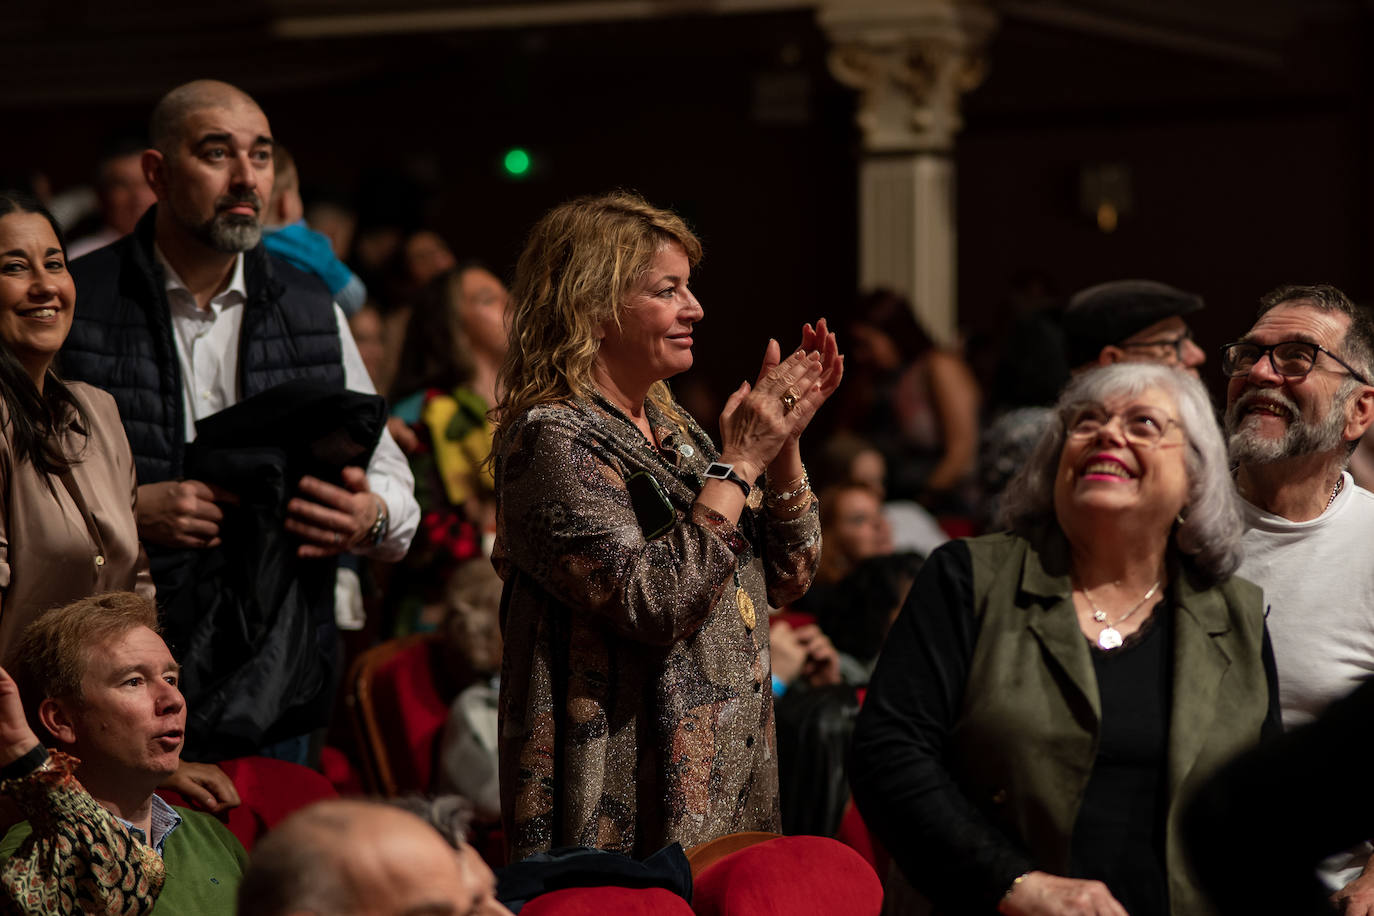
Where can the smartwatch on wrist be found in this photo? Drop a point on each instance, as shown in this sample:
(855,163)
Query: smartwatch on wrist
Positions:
(719,471)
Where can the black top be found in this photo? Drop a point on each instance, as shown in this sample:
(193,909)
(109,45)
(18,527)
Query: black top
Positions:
(968,861)
(1118,837)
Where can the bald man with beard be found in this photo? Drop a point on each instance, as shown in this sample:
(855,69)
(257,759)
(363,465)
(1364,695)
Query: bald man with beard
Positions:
(350,858)
(185,317)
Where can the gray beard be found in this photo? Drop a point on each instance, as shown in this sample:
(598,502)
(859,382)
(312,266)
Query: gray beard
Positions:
(1246,446)
(229,233)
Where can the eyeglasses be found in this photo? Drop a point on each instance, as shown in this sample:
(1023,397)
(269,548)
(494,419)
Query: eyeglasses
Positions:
(1175,342)
(1289,358)
(1140,426)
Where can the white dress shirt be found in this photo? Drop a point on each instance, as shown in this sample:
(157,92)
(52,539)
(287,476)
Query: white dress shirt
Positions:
(207,344)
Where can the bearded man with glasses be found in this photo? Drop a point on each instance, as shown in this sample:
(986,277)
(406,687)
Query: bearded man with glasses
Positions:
(1298,401)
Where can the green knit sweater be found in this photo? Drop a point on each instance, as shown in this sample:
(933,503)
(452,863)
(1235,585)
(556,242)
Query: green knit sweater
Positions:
(204,862)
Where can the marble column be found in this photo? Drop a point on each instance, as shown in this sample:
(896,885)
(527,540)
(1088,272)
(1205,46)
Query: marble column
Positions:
(910,61)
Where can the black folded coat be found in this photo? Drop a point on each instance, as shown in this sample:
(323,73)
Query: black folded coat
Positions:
(251,623)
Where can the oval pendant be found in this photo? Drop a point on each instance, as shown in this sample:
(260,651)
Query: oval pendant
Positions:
(745,604)
(686,450)
(1109,638)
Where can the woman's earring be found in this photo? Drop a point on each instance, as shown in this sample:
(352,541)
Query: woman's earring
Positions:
(1180,519)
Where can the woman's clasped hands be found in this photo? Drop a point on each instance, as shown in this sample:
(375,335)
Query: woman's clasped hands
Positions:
(760,419)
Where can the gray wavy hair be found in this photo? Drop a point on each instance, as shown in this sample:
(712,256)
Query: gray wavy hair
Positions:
(1211,531)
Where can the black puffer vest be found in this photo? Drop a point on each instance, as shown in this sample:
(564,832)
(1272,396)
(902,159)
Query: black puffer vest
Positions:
(122,340)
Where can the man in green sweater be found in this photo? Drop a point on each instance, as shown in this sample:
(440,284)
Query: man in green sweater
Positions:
(100,686)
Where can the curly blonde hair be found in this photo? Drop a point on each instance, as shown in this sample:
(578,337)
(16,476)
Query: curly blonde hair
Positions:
(577,269)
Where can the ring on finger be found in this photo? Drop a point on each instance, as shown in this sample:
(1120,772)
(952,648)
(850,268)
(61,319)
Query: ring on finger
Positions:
(789,400)
(338,538)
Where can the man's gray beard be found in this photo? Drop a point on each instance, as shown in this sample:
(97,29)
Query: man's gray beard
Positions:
(1245,445)
(230,232)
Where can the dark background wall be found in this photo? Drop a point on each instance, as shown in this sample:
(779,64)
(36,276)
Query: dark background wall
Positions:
(1244,174)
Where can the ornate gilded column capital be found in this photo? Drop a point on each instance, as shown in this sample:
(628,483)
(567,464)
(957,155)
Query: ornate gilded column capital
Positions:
(911,61)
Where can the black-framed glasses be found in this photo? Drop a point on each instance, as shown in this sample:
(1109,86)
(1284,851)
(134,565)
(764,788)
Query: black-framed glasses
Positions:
(1140,426)
(1289,358)
(1175,342)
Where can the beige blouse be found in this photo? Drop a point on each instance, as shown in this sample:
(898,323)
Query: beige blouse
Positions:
(51,553)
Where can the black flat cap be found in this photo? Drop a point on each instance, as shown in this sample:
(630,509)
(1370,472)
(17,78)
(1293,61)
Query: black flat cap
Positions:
(1110,312)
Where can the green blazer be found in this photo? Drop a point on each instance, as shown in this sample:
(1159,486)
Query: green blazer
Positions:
(1032,689)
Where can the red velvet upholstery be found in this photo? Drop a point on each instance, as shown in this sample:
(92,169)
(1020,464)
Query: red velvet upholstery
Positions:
(399,709)
(854,833)
(792,618)
(605,901)
(789,876)
(957,526)
(270,790)
(340,771)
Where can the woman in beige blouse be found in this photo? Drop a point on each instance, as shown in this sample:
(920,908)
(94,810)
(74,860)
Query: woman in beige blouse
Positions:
(640,561)
(66,473)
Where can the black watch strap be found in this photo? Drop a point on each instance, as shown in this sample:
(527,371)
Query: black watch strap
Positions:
(719,471)
(25,764)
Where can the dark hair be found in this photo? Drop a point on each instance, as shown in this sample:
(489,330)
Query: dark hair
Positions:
(890,312)
(435,353)
(117,148)
(1359,338)
(33,418)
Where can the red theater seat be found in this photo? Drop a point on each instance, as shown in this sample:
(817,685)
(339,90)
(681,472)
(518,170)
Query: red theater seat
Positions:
(269,789)
(601,901)
(789,876)
(399,704)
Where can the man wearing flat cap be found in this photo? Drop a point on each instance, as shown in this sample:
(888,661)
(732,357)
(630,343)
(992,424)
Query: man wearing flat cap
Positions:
(1132,321)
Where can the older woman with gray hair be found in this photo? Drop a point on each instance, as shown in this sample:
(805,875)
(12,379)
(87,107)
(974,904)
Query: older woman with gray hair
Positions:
(1050,695)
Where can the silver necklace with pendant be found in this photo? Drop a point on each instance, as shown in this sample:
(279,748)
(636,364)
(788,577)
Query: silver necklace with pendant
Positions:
(1110,638)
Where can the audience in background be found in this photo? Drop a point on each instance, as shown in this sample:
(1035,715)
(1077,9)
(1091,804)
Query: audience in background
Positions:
(445,387)
(122,194)
(472,644)
(287,235)
(846,458)
(861,582)
(917,402)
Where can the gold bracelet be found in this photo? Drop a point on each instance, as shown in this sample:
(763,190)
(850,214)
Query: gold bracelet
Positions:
(773,498)
(791,483)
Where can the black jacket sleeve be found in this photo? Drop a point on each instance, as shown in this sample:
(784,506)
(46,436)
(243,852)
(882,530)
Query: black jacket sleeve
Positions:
(943,844)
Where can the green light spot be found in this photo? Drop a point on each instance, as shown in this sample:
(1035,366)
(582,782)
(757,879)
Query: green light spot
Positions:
(517,162)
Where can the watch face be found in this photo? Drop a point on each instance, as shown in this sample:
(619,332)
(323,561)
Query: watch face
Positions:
(718,470)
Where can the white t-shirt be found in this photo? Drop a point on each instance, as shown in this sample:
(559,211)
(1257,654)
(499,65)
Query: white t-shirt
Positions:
(1318,581)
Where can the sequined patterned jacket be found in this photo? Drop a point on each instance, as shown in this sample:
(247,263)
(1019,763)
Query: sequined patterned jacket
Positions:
(636,708)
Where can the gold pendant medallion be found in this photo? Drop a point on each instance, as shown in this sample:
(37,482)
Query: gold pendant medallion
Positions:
(746,608)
